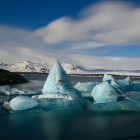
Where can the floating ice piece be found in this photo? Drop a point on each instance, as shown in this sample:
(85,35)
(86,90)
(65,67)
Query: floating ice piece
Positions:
(104,93)
(58,82)
(133,95)
(112,81)
(125,81)
(22,102)
(85,87)
(7,105)
(4,88)
(108,78)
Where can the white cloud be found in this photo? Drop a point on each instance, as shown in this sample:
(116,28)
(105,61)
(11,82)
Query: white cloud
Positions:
(106,22)
(114,63)
(103,24)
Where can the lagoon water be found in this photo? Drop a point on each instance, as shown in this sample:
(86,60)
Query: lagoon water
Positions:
(66,123)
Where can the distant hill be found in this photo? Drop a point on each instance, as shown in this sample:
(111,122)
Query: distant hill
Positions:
(28,66)
(7,77)
(44,67)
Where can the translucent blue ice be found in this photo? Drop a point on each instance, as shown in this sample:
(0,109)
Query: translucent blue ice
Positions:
(125,81)
(85,87)
(117,83)
(107,78)
(22,102)
(58,82)
(104,93)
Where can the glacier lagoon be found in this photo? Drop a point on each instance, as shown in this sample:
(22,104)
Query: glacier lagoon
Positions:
(61,100)
(67,122)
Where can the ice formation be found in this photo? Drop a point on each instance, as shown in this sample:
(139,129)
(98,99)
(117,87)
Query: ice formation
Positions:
(85,87)
(112,81)
(107,78)
(22,102)
(58,82)
(125,81)
(104,93)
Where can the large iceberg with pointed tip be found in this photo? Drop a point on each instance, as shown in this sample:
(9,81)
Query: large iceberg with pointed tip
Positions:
(104,93)
(22,102)
(58,82)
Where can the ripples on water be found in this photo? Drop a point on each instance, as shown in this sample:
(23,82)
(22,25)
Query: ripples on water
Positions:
(67,123)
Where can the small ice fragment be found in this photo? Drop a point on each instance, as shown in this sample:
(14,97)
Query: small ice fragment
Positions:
(7,105)
(22,102)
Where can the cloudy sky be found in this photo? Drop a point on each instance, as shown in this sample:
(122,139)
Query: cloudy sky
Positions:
(91,33)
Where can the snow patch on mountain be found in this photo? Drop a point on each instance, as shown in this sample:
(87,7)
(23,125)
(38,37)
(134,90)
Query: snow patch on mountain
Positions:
(28,66)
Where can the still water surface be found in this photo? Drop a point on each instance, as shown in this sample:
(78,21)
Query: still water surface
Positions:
(67,123)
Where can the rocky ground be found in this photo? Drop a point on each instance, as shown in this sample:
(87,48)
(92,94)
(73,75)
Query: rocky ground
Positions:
(7,77)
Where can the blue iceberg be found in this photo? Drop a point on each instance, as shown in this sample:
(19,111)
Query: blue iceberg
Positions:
(104,93)
(58,82)
(22,103)
(85,87)
(125,81)
(108,78)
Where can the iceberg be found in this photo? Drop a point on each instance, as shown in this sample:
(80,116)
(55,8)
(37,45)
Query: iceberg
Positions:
(85,87)
(108,78)
(58,82)
(112,81)
(22,103)
(104,93)
(125,81)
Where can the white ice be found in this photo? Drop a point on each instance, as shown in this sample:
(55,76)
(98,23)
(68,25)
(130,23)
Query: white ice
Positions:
(22,103)
(85,87)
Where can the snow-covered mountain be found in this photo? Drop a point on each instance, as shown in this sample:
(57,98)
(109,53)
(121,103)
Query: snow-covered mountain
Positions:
(44,67)
(28,66)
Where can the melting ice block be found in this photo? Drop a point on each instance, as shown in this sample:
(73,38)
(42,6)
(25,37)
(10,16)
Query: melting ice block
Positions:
(85,87)
(58,82)
(125,81)
(104,93)
(108,78)
(22,102)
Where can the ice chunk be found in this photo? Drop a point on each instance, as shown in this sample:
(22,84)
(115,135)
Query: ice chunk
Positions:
(125,81)
(22,102)
(4,88)
(85,87)
(58,82)
(7,105)
(104,93)
(108,78)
